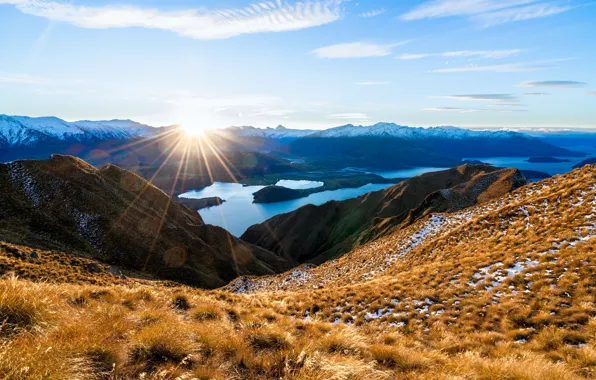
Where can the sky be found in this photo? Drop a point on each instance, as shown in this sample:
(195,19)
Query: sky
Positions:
(302,64)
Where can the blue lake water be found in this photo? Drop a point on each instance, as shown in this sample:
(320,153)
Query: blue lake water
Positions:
(238,212)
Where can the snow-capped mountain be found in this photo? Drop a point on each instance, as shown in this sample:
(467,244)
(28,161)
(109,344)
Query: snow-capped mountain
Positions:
(26,131)
(392,130)
(280,132)
(388,130)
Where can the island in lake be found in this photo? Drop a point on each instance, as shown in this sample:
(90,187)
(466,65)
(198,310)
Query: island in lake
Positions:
(272,194)
(198,204)
(546,160)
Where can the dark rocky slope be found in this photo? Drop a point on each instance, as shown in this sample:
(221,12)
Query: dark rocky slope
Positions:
(116,216)
(318,233)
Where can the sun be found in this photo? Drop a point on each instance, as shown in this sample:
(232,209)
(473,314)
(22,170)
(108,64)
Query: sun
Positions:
(192,130)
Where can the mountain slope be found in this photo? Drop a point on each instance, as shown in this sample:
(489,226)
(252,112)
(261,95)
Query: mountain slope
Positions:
(116,216)
(500,290)
(317,233)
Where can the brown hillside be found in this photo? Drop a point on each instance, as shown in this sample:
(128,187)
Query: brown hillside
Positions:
(317,233)
(116,216)
(500,290)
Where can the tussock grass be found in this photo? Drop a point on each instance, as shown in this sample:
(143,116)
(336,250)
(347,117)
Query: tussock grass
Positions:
(488,298)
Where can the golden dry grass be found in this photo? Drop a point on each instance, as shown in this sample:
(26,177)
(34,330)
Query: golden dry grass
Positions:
(504,290)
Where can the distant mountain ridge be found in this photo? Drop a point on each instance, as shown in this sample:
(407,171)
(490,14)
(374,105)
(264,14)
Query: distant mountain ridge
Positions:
(388,130)
(26,131)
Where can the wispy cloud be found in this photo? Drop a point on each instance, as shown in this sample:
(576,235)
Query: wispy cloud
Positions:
(375,13)
(274,113)
(349,116)
(504,67)
(266,16)
(536,93)
(372,83)
(521,14)
(21,79)
(357,50)
(487,54)
(469,110)
(479,97)
(555,84)
(486,12)
(591,93)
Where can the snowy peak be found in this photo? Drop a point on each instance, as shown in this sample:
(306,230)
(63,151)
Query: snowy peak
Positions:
(24,130)
(280,132)
(382,130)
(391,130)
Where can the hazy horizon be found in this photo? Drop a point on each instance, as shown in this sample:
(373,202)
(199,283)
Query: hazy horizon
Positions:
(315,64)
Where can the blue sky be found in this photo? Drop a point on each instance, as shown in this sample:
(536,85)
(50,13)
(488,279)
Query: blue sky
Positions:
(313,64)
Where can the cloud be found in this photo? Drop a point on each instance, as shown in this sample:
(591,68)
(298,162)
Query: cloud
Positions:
(479,97)
(520,14)
(21,79)
(372,83)
(536,93)
(349,116)
(501,68)
(486,12)
(555,84)
(591,93)
(488,54)
(469,110)
(357,50)
(274,113)
(205,24)
(375,13)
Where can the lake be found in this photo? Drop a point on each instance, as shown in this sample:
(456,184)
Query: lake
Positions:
(238,212)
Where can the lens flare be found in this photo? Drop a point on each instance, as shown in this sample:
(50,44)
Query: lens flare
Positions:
(192,130)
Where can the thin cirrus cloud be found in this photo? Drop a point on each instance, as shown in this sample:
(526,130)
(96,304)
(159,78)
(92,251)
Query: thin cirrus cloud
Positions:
(373,83)
(487,54)
(21,79)
(274,113)
(357,50)
(479,97)
(349,116)
(469,110)
(521,14)
(204,24)
(536,93)
(554,84)
(486,12)
(374,13)
(504,67)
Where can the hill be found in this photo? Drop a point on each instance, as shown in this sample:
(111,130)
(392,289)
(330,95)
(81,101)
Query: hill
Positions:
(318,233)
(116,216)
(500,290)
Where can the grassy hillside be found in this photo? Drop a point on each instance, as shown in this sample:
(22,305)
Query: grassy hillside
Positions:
(501,290)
